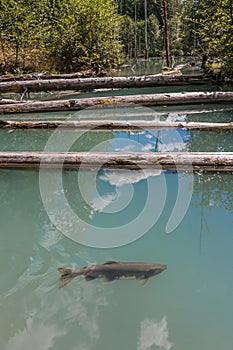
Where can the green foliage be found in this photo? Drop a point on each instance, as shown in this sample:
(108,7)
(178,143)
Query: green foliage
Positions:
(176,34)
(69,35)
(88,33)
(215,30)
(189,25)
(18,31)
(135,41)
(128,36)
(154,36)
(216,26)
(64,35)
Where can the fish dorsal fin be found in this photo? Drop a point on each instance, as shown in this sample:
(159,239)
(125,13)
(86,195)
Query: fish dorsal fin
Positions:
(111,262)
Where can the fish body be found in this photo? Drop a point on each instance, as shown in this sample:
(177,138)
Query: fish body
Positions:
(113,270)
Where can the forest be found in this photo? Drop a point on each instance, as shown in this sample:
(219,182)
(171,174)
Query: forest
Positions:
(71,35)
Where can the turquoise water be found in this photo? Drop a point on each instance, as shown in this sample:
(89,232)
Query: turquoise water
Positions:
(149,140)
(182,220)
(154,66)
(188,306)
(123,141)
(140,67)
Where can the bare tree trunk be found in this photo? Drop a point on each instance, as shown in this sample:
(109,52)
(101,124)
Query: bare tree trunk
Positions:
(166,33)
(135,33)
(146,36)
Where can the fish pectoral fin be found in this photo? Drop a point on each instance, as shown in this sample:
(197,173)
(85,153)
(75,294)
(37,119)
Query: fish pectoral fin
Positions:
(89,278)
(144,281)
(108,279)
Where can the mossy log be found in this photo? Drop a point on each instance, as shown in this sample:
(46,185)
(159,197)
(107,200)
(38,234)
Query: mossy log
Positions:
(195,161)
(38,85)
(177,98)
(113,125)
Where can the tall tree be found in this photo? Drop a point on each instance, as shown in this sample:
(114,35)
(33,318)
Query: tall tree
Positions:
(166,33)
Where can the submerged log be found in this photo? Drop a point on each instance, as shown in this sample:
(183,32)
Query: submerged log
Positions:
(177,98)
(112,125)
(96,83)
(180,161)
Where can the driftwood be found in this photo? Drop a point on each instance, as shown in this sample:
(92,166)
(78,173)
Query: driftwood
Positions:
(207,162)
(144,100)
(8,101)
(113,125)
(46,76)
(96,83)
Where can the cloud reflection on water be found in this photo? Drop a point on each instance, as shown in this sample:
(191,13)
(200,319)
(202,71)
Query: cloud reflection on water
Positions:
(51,316)
(121,178)
(154,333)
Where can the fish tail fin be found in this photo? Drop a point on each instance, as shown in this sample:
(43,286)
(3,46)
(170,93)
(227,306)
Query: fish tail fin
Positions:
(66,276)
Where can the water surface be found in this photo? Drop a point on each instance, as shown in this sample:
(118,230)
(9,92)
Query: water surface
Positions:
(187,306)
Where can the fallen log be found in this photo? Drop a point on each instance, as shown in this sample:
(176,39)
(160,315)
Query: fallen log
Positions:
(7,101)
(113,125)
(39,85)
(177,98)
(46,76)
(196,161)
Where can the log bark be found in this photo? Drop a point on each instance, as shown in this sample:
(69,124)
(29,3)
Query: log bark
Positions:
(143,100)
(8,101)
(46,76)
(96,83)
(196,161)
(113,125)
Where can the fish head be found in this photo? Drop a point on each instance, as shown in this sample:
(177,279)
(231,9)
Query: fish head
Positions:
(156,269)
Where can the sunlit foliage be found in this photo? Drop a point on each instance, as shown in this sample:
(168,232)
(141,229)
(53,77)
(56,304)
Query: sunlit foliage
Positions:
(64,35)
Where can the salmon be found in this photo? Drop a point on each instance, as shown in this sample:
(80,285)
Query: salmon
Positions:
(113,270)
